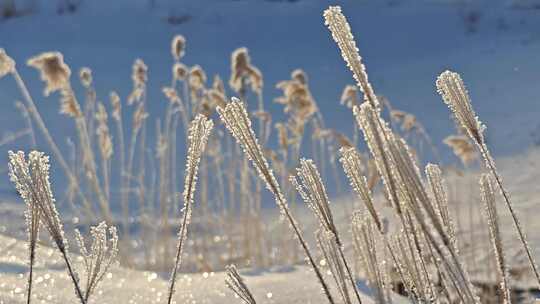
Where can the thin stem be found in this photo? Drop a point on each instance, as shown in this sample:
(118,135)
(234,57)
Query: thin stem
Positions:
(30,275)
(178,258)
(73,277)
(349,272)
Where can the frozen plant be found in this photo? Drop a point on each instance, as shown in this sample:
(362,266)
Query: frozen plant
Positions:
(99,257)
(31,179)
(236,283)
(199,132)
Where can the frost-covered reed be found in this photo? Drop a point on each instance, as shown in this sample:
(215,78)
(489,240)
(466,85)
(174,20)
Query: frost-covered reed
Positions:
(455,95)
(98,258)
(31,179)
(310,186)
(236,119)
(236,283)
(199,132)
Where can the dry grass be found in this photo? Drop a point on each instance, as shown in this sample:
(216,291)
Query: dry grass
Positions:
(412,248)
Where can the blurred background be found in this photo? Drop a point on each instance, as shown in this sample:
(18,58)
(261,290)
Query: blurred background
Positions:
(405,44)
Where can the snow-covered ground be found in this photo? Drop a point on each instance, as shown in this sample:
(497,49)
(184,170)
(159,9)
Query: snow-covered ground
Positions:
(52,284)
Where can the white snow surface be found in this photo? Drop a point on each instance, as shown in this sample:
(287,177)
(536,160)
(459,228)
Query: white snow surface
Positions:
(52,284)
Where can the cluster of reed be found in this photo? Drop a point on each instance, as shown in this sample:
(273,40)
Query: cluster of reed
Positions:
(422,254)
(116,174)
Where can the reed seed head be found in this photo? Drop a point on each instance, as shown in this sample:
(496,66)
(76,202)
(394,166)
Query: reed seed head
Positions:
(297,99)
(352,165)
(52,70)
(98,258)
(116,106)
(342,34)
(455,95)
(197,78)
(237,121)
(178,47)
(139,116)
(31,179)
(139,74)
(179,71)
(310,186)
(300,76)
(171,94)
(104,136)
(85,74)
(68,104)
(198,134)
(243,72)
(462,148)
(349,97)
(7,65)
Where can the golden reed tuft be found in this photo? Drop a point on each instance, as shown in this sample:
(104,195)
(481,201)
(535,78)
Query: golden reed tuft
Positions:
(116,106)
(140,72)
(179,71)
(104,136)
(462,148)
(178,47)
(52,69)
(349,97)
(243,72)
(197,78)
(85,74)
(7,65)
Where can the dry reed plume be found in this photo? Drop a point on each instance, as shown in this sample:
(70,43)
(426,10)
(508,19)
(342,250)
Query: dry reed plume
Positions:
(455,95)
(199,132)
(235,118)
(98,258)
(31,179)
(309,185)
(7,65)
(396,165)
(422,254)
(341,32)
